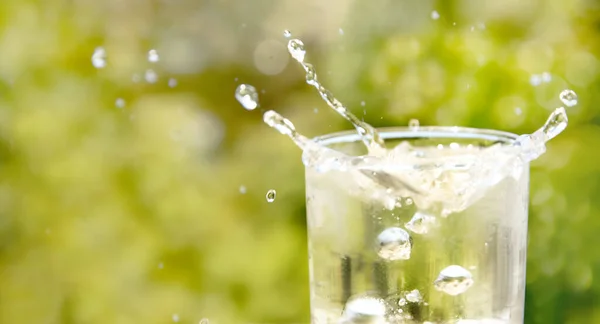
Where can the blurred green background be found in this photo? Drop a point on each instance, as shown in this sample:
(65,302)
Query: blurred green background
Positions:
(135,192)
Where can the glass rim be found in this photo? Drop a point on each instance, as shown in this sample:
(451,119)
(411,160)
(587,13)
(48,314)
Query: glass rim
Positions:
(400,132)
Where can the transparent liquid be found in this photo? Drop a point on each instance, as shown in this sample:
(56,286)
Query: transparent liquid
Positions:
(466,267)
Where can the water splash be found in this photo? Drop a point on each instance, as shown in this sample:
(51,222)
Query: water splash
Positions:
(247,96)
(368,134)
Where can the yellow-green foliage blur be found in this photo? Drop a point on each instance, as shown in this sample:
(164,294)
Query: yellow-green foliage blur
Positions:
(134,191)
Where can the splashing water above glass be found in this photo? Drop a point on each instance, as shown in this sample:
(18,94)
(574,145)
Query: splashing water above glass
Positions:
(368,134)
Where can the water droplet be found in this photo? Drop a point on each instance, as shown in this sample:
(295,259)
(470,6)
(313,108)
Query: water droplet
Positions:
(568,97)
(161,265)
(287,33)
(172,83)
(341,31)
(316,110)
(150,76)
(296,49)
(414,296)
(364,310)
(99,58)
(120,103)
(175,318)
(556,123)
(204,321)
(420,223)
(247,96)
(435,15)
(271,194)
(454,146)
(402,302)
(413,124)
(393,244)
(243,190)
(454,280)
(153,56)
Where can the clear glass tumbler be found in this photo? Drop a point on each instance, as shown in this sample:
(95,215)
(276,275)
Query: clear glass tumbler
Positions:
(437,235)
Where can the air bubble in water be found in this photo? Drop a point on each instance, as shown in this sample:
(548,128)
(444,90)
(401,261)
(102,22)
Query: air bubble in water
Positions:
(454,280)
(287,33)
(153,56)
(364,310)
(414,296)
(99,58)
(150,76)
(413,124)
(271,194)
(296,49)
(120,103)
(247,96)
(420,223)
(394,244)
(435,15)
(172,83)
(568,97)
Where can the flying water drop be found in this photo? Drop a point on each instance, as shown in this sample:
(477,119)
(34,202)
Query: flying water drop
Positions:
(341,31)
(296,49)
(99,58)
(287,33)
(172,83)
(271,194)
(247,96)
(568,97)
(175,318)
(556,123)
(435,15)
(153,56)
(394,244)
(454,280)
(243,190)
